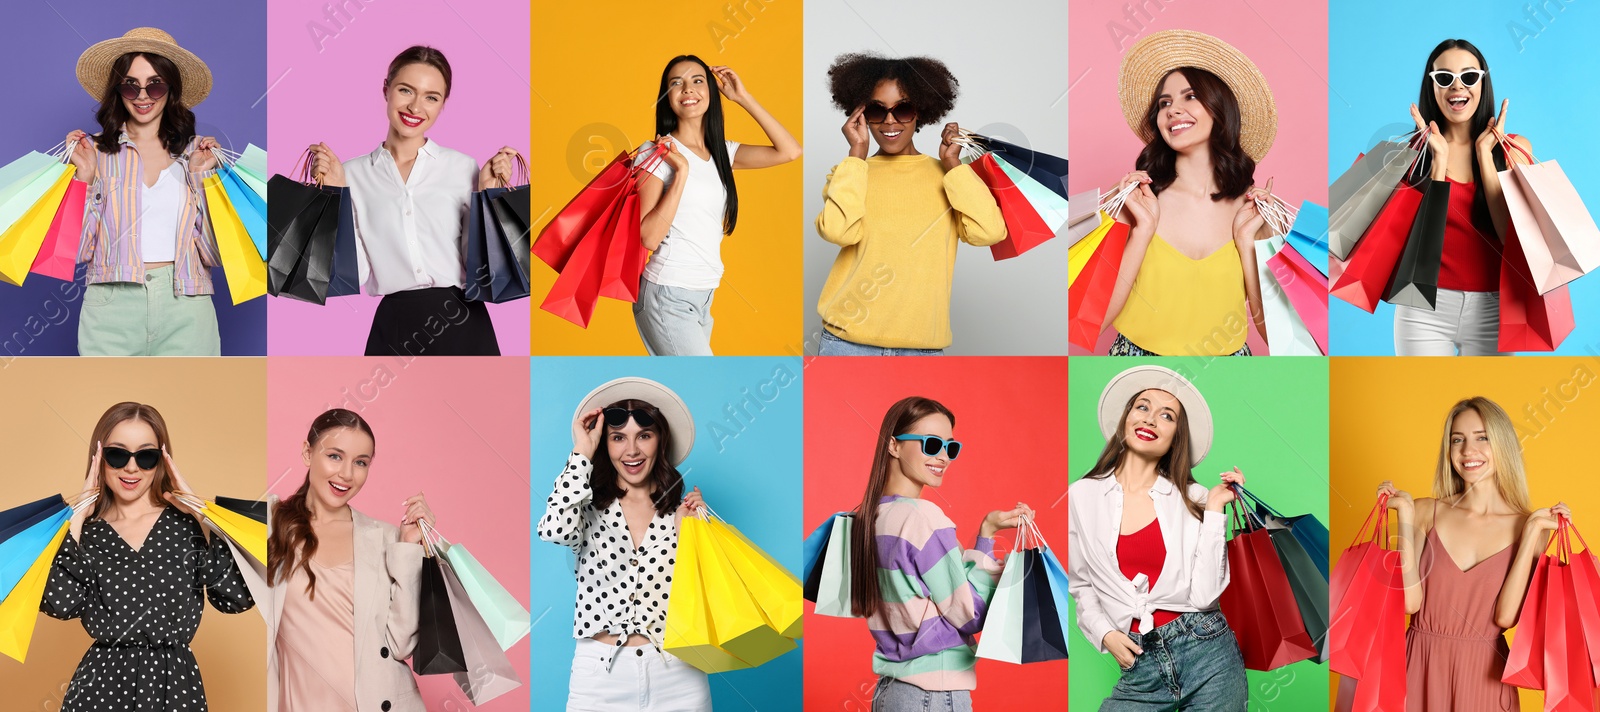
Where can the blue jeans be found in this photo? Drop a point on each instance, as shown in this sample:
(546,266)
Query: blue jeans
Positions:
(834,346)
(1192,663)
(673,321)
(891,695)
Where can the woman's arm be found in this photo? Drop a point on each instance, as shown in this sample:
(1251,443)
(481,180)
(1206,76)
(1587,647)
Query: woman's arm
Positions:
(979,221)
(563,522)
(1250,225)
(403,562)
(844,203)
(958,583)
(1093,621)
(72,582)
(658,202)
(1210,562)
(783,149)
(1489,173)
(1534,541)
(224,582)
(1142,212)
(201,164)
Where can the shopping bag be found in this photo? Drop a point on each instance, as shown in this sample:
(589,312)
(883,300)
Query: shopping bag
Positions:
(489,673)
(1259,602)
(1529,321)
(311,274)
(1586,592)
(241,264)
(475,258)
(1309,235)
(1050,206)
(1078,255)
(812,552)
(1287,334)
(1044,625)
(18,519)
(1307,290)
(723,629)
(345,277)
(775,590)
(1311,534)
(252,164)
(688,628)
(293,209)
(252,571)
(1356,198)
(1569,682)
(508,280)
(1365,276)
(1083,215)
(833,582)
(304,221)
(26,539)
(19,198)
(560,237)
(1310,587)
(19,612)
(1416,276)
(22,240)
(1025,227)
(1001,638)
(245,530)
(17,176)
(625,254)
(1090,297)
(254,509)
(514,233)
(1357,594)
(1525,662)
(1056,574)
(252,209)
(438,650)
(577,287)
(501,612)
(1047,170)
(1558,235)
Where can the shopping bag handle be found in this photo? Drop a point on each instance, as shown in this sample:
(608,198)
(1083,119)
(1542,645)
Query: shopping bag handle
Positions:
(1277,212)
(519,168)
(1111,203)
(1507,145)
(1381,511)
(1251,496)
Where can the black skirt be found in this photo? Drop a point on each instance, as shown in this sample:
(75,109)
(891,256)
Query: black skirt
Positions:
(437,321)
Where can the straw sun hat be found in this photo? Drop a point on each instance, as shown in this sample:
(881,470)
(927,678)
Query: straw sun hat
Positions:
(672,408)
(1150,59)
(94,65)
(1139,379)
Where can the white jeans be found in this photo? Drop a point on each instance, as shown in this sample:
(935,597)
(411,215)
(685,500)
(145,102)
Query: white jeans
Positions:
(1464,323)
(639,680)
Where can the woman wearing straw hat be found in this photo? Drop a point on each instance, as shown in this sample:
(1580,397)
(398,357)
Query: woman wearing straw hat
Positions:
(411,198)
(624,506)
(146,236)
(137,571)
(1206,116)
(1147,550)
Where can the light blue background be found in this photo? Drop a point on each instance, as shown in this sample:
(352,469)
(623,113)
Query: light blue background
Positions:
(751,477)
(1376,51)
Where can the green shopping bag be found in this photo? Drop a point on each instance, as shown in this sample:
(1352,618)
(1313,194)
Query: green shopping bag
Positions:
(1052,208)
(19,197)
(506,618)
(833,591)
(1002,623)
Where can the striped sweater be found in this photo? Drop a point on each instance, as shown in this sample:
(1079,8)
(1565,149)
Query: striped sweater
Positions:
(934,596)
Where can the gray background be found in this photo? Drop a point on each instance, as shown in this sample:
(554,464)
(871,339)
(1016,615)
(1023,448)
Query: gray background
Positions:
(1011,60)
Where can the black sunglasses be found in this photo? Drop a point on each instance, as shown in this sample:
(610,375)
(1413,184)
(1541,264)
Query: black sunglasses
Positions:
(1469,78)
(130,91)
(117,457)
(618,417)
(903,113)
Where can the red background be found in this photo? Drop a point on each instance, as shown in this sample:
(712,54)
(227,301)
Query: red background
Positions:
(1011,420)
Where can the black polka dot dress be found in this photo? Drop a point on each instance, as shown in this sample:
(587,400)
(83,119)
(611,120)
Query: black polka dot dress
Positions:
(142,609)
(621,589)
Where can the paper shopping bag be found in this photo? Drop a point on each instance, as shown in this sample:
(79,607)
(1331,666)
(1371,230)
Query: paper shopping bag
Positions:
(19,612)
(20,242)
(1001,638)
(489,673)
(438,650)
(241,264)
(501,611)
(775,591)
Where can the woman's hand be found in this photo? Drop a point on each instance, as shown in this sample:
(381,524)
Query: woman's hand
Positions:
(1141,206)
(730,84)
(182,486)
(326,167)
(1545,520)
(203,158)
(416,510)
(1437,146)
(496,173)
(691,504)
(673,156)
(1222,494)
(91,483)
(949,150)
(82,155)
(1399,499)
(587,429)
(1492,133)
(1248,221)
(1004,519)
(856,133)
(1122,648)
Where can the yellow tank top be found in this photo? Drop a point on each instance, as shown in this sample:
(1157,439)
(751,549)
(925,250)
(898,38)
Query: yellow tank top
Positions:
(1181,306)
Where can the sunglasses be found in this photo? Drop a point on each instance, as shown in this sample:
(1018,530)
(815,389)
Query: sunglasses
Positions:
(903,112)
(130,91)
(117,457)
(932,444)
(1469,77)
(618,417)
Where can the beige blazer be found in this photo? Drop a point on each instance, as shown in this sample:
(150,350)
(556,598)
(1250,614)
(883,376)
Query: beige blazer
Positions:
(387,588)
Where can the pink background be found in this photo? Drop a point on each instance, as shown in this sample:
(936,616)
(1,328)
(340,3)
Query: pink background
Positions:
(1287,41)
(455,429)
(329,88)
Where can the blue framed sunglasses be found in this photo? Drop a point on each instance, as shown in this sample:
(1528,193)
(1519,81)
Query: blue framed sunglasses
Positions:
(932,444)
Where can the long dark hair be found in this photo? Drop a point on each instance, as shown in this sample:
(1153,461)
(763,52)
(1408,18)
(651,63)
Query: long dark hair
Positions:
(715,137)
(864,594)
(1175,465)
(293,542)
(419,54)
(1428,106)
(666,485)
(1232,169)
(160,480)
(177,121)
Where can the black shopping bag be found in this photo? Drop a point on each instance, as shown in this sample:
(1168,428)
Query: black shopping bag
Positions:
(1043,167)
(1416,278)
(438,650)
(247,507)
(1042,637)
(345,279)
(293,209)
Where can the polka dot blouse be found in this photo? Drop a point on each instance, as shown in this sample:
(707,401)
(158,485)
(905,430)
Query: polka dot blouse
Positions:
(622,589)
(142,609)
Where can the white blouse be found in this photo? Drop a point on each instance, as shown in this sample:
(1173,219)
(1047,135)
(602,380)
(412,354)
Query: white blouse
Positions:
(160,206)
(410,233)
(1192,576)
(622,588)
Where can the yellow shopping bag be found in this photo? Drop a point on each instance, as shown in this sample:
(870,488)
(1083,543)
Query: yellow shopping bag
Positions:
(712,621)
(248,533)
(1078,255)
(776,591)
(20,243)
(689,634)
(19,612)
(246,273)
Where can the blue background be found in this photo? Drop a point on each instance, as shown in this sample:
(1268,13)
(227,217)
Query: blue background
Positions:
(1376,52)
(753,483)
(42,45)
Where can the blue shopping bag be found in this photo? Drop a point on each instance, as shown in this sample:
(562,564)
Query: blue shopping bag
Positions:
(1309,236)
(251,208)
(816,543)
(345,277)
(1043,167)
(19,553)
(1311,534)
(1057,576)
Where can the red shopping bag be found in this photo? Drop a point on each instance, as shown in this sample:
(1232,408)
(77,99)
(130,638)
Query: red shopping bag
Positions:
(625,254)
(1586,592)
(559,238)
(1356,589)
(577,288)
(1307,290)
(1365,276)
(1529,321)
(1024,228)
(1569,683)
(1259,602)
(58,255)
(1525,663)
(1090,296)
(1382,688)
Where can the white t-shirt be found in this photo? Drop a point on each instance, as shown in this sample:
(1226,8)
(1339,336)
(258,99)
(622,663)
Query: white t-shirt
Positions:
(159,208)
(691,255)
(409,232)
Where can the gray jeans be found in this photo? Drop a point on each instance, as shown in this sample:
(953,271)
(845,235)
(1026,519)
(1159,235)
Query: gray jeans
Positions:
(892,695)
(1191,664)
(673,321)
(834,346)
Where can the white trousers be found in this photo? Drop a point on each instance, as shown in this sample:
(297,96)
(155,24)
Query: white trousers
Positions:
(1461,323)
(638,680)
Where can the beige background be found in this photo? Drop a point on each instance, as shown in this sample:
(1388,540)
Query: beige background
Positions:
(215,410)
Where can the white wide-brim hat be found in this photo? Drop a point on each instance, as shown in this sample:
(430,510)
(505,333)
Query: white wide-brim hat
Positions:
(663,398)
(1139,379)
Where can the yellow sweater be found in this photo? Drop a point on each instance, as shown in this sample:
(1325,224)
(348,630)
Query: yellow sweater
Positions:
(890,284)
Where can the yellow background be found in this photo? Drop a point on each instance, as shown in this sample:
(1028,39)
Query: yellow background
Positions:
(598,68)
(215,410)
(1386,422)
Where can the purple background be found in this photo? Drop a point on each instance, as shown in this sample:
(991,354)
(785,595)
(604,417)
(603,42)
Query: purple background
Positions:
(39,45)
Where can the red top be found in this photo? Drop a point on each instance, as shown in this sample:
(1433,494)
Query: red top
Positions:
(1471,258)
(1144,552)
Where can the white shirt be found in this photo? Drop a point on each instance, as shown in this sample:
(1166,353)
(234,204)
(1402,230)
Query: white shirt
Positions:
(410,233)
(1192,577)
(160,205)
(691,255)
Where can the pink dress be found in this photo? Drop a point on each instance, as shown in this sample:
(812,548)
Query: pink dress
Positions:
(1455,653)
(316,642)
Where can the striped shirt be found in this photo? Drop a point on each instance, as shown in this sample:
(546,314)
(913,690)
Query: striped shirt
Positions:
(934,597)
(111,224)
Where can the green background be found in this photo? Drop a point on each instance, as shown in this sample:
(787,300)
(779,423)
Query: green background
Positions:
(1271,418)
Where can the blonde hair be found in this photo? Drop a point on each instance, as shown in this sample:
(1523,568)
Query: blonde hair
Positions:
(1510,475)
